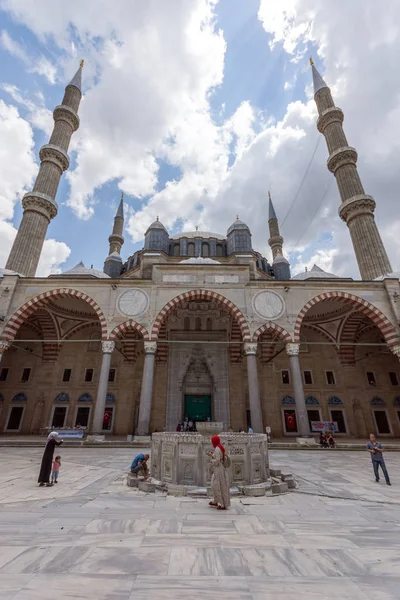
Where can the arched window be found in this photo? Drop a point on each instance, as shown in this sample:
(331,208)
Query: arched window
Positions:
(177,250)
(377,402)
(62,398)
(110,399)
(288,400)
(1,397)
(312,400)
(220,250)
(198,324)
(85,398)
(190,249)
(335,401)
(95,342)
(209,324)
(20,398)
(186,324)
(205,249)
(396,402)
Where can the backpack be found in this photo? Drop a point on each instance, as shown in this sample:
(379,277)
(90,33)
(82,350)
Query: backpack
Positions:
(226,461)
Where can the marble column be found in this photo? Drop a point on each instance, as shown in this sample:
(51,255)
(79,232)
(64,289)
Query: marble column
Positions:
(254,388)
(147,388)
(292,351)
(3,347)
(107,348)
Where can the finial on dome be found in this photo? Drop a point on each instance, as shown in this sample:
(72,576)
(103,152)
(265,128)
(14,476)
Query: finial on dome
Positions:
(237,217)
(306,269)
(157,219)
(82,63)
(197,227)
(311,61)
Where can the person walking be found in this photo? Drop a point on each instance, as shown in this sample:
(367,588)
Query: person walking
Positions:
(219,479)
(376,450)
(47,459)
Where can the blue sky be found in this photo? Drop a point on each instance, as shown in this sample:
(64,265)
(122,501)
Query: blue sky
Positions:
(256,84)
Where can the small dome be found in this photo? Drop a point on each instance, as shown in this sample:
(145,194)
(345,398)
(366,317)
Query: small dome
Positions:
(80,270)
(8,272)
(199,261)
(156,225)
(197,234)
(238,224)
(388,276)
(114,256)
(314,273)
(279,258)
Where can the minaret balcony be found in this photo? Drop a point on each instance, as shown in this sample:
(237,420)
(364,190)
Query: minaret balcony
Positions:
(55,155)
(65,113)
(363,204)
(41,203)
(330,115)
(342,156)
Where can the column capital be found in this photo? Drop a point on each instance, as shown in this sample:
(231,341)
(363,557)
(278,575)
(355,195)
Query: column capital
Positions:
(292,349)
(150,347)
(396,350)
(107,347)
(4,345)
(250,348)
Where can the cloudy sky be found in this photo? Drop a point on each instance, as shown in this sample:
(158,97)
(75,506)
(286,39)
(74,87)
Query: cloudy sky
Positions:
(195,108)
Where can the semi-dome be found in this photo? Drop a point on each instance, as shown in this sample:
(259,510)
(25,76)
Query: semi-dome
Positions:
(196,234)
(238,224)
(8,272)
(81,271)
(199,260)
(315,273)
(394,275)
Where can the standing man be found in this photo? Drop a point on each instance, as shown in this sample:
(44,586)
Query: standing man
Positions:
(376,450)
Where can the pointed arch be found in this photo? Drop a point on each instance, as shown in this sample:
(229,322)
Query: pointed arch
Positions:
(286,337)
(32,305)
(202,295)
(381,321)
(126,325)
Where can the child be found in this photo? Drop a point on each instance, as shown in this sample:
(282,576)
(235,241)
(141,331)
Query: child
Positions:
(55,469)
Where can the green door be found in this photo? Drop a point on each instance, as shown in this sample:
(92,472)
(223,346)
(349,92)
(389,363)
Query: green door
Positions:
(198,408)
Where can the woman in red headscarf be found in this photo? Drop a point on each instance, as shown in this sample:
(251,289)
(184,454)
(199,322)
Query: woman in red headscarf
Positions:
(219,479)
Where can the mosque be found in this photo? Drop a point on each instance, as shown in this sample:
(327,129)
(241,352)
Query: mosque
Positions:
(199,324)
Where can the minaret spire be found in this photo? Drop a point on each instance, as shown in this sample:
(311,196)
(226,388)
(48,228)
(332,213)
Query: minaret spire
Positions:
(357,208)
(113,262)
(40,205)
(280,264)
(275,240)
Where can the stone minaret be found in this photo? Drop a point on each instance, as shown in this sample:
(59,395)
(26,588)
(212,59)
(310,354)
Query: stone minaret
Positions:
(275,240)
(280,265)
(357,208)
(113,262)
(40,205)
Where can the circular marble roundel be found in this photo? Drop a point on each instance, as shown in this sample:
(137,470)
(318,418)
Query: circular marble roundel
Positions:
(268,305)
(133,302)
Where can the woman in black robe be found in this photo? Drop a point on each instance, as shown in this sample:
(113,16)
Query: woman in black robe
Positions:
(47,460)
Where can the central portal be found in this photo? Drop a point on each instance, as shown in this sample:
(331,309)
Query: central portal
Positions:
(198,408)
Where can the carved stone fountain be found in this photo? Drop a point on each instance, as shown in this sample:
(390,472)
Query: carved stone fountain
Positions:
(180,462)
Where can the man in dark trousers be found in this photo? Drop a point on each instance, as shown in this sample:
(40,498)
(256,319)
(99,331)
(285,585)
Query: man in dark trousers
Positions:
(376,450)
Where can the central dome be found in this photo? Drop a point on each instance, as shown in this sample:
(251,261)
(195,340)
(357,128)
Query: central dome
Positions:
(197,234)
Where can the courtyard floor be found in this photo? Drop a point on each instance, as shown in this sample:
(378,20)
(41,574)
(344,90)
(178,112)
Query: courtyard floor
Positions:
(337,536)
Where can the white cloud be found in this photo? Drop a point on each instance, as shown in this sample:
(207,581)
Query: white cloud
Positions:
(17,173)
(40,65)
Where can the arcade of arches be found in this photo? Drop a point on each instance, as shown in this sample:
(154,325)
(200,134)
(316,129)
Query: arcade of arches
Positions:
(59,370)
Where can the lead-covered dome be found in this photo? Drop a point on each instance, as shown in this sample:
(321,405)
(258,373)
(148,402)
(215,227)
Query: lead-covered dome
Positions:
(81,271)
(315,273)
(238,225)
(190,235)
(199,260)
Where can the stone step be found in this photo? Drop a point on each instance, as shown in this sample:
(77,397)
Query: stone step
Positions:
(275,472)
(279,488)
(286,476)
(146,486)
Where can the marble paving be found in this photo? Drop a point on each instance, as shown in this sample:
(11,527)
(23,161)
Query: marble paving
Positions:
(336,537)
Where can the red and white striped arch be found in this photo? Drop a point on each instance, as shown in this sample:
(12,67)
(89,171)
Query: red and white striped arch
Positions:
(273,327)
(202,295)
(126,326)
(32,305)
(387,328)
